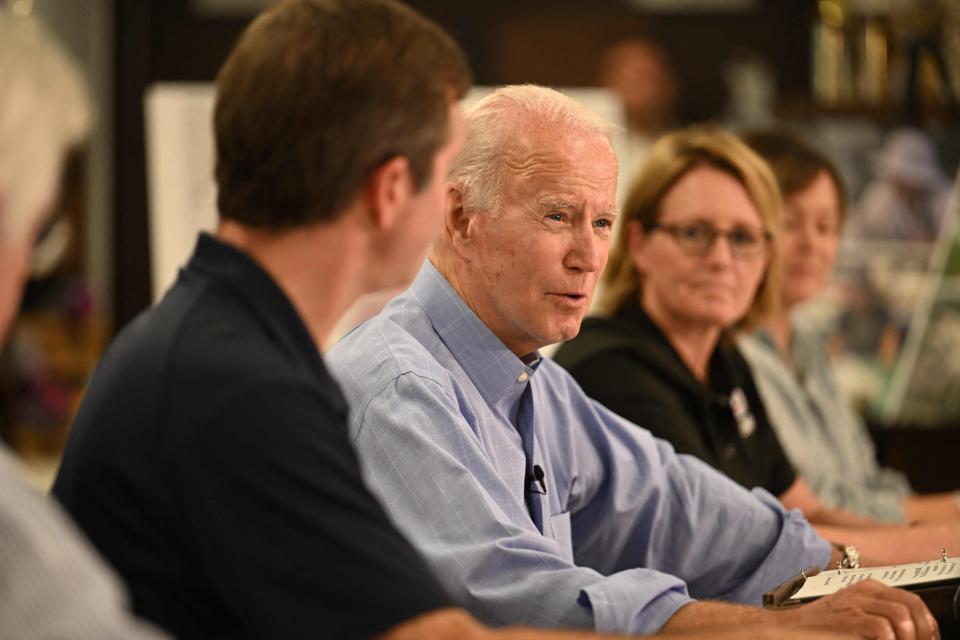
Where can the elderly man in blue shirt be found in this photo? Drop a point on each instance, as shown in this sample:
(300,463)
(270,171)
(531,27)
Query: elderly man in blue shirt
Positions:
(534,504)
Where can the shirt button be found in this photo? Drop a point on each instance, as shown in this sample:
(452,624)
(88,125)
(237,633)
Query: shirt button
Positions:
(522,377)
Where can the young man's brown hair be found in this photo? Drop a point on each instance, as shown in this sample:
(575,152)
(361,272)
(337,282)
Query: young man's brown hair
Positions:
(306,108)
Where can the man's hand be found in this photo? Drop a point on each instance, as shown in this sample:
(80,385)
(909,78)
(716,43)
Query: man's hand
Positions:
(869,609)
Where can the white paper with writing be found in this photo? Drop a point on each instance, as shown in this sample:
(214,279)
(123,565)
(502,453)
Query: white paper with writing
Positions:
(900,575)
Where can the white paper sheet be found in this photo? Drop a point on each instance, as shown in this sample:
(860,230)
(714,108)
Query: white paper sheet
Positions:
(900,575)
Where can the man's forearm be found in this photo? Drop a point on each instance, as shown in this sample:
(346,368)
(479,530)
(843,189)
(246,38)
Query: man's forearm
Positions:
(457,624)
(701,615)
(894,546)
(937,506)
(840,518)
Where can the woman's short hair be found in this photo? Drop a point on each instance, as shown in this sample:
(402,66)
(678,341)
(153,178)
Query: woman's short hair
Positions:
(794,161)
(671,158)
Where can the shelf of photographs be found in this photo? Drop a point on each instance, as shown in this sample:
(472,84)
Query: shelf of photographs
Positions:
(924,386)
(866,309)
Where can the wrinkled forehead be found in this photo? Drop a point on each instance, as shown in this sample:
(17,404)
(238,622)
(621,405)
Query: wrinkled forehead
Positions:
(540,159)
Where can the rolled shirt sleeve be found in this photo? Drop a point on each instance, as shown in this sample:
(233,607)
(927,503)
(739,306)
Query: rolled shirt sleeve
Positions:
(630,600)
(640,504)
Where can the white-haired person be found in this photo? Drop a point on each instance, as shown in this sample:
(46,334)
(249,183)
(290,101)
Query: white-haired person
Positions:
(52,583)
(532,503)
(821,434)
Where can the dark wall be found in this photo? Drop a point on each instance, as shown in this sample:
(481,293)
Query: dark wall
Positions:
(927,455)
(156,40)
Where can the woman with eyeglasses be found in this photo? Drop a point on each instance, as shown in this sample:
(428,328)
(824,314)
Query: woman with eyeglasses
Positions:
(695,263)
(690,262)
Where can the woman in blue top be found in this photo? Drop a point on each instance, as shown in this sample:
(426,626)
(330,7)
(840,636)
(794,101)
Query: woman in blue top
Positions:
(822,436)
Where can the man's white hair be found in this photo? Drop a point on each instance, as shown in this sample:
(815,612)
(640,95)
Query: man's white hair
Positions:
(44,110)
(496,121)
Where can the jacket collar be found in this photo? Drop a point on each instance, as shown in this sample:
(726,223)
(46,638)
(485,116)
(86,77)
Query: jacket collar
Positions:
(230,267)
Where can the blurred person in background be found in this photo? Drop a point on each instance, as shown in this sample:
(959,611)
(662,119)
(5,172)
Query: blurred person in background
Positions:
(52,583)
(639,72)
(825,440)
(908,198)
(694,265)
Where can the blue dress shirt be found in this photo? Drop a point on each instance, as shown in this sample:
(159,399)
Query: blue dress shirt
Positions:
(631,531)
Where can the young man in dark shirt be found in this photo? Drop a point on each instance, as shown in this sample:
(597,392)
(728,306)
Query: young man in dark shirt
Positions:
(209,460)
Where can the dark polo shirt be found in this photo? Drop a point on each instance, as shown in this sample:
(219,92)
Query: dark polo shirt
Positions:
(209,462)
(627,364)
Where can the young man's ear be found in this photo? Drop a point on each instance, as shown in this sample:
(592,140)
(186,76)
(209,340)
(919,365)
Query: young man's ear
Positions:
(388,191)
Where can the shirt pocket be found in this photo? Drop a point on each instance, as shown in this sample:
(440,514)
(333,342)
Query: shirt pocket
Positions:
(560,530)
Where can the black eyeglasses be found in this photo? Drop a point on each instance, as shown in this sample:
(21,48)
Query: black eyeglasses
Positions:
(698,237)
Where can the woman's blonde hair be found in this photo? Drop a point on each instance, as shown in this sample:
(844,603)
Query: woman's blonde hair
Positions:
(672,157)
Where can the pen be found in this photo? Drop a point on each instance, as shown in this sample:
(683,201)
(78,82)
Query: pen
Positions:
(785,591)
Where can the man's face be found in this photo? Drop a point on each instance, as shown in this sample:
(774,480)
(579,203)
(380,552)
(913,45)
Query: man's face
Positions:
(426,209)
(15,250)
(16,246)
(534,263)
(14,258)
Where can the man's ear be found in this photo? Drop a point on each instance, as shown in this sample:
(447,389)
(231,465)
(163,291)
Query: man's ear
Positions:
(388,192)
(457,220)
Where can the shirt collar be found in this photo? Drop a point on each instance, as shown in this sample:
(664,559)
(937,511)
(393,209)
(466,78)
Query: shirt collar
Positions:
(803,352)
(498,374)
(231,267)
(764,336)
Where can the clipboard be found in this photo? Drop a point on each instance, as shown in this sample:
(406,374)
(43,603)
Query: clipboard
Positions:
(937,582)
